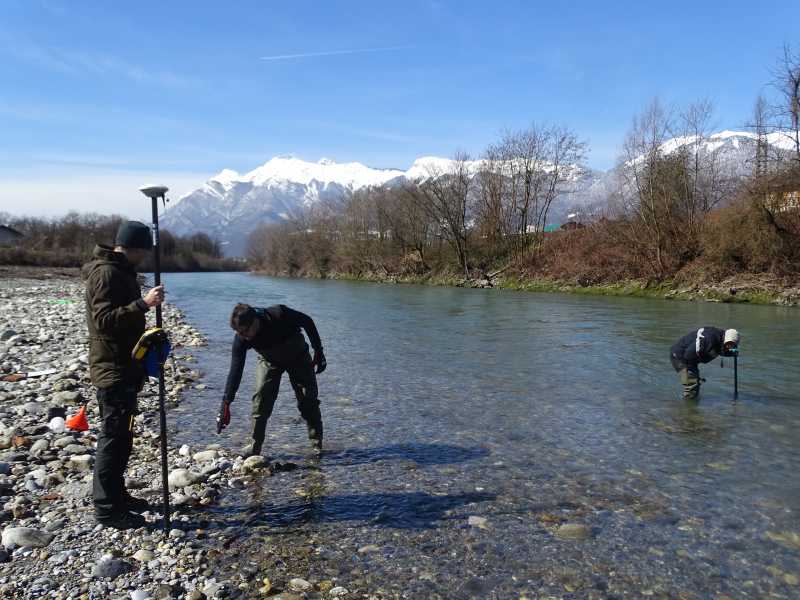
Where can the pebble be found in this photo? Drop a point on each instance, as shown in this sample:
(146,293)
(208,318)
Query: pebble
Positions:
(50,542)
(479,522)
(144,555)
(573,531)
(299,585)
(109,567)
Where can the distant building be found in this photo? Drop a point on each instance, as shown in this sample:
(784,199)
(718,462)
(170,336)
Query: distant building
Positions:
(783,191)
(9,236)
(547,228)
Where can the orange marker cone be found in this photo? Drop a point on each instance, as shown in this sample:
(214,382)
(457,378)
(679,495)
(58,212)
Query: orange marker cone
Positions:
(78,421)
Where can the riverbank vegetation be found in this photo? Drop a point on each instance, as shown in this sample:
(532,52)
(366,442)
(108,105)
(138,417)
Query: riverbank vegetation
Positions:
(676,217)
(68,242)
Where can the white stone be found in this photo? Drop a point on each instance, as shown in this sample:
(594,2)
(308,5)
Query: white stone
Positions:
(144,555)
(82,462)
(205,456)
(18,537)
(479,522)
(183,477)
(57,425)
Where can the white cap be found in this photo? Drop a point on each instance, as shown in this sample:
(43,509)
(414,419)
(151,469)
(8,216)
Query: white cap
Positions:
(731,335)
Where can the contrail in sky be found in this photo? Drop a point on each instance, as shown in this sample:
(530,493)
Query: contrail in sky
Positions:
(333,53)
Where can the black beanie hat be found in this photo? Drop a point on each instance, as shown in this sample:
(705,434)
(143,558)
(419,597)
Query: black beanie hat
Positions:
(134,234)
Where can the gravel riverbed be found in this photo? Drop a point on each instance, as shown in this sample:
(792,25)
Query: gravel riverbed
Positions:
(51,545)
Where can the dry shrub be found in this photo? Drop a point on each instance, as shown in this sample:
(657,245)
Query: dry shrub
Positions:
(595,254)
(743,238)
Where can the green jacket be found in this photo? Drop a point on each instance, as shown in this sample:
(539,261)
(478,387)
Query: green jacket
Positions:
(115,316)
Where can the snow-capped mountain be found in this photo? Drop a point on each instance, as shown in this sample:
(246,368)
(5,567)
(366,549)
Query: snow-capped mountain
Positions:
(733,154)
(230,205)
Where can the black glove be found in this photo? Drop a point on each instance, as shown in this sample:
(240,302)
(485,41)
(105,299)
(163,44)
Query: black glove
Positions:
(224,416)
(319,361)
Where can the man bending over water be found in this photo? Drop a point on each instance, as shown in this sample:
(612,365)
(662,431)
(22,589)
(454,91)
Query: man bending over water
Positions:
(701,346)
(274,333)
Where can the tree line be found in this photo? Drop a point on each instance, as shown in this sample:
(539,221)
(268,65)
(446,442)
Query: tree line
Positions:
(68,241)
(671,212)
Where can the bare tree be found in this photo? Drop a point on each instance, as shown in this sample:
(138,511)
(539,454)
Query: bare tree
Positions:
(445,195)
(760,126)
(493,210)
(787,82)
(648,200)
(407,224)
(707,180)
(540,163)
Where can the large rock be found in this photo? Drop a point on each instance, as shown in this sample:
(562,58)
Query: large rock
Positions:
(180,478)
(25,537)
(67,397)
(81,463)
(253,463)
(5,439)
(75,449)
(75,490)
(205,456)
(38,448)
(34,408)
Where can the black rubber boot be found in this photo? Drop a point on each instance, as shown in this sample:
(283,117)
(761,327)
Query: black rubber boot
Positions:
(126,520)
(137,505)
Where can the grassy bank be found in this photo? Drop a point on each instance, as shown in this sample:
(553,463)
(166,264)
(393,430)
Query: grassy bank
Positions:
(743,289)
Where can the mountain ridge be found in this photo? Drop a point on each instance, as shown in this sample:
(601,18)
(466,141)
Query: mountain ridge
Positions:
(230,205)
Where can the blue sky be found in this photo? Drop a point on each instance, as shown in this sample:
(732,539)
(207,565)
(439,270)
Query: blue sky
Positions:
(99,97)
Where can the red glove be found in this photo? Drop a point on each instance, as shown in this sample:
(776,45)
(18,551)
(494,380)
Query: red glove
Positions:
(224,417)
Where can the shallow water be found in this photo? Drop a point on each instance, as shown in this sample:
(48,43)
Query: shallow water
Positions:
(529,410)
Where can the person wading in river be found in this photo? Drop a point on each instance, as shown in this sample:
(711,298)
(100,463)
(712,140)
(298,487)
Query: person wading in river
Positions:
(115,316)
(700,346)
(274,333)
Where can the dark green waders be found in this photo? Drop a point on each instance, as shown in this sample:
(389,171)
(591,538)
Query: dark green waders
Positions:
(304,382)
(689,376)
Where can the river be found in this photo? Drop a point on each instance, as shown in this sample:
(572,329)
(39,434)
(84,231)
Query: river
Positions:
(467,431)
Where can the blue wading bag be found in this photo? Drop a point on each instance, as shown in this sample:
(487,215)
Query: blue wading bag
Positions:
(152,350)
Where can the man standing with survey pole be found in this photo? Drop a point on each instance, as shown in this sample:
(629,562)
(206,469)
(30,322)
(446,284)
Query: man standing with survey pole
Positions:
(115,317)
